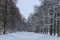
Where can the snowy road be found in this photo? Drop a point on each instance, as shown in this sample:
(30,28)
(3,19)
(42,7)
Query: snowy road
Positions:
(27,36)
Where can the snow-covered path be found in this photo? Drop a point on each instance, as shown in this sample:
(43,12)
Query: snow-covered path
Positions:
(27,36)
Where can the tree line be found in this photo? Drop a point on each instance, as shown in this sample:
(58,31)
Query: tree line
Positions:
(46,17)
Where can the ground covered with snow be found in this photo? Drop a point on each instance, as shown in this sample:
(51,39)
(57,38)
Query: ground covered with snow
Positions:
(27,36)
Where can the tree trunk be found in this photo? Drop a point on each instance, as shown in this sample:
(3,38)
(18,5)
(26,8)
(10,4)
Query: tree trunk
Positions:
(51,30)
(54,27)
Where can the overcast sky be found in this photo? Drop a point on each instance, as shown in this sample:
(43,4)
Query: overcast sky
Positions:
(27,6)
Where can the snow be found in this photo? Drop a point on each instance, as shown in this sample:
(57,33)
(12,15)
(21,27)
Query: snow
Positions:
(27,36)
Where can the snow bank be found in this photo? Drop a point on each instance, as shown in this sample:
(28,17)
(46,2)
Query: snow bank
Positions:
(27,36)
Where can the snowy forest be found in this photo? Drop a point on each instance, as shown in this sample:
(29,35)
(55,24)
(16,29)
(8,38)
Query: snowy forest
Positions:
(44,20)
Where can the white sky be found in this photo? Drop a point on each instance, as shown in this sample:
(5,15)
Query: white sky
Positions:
(27,6)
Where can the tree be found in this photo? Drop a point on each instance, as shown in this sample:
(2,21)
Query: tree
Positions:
(11,18)
(47,16)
